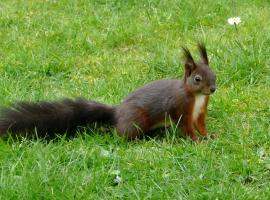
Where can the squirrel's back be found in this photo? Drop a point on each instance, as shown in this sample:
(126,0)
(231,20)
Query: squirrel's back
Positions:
(158,96)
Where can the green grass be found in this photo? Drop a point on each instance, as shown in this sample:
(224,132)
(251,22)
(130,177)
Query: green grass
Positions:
(103,50)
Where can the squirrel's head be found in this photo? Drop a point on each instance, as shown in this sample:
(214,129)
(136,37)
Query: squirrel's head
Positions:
(199,78)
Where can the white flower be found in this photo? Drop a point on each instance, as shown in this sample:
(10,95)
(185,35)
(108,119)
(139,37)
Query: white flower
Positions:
(234,20)
(117,179)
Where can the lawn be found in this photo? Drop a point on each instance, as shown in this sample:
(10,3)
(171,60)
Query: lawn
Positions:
(103,50)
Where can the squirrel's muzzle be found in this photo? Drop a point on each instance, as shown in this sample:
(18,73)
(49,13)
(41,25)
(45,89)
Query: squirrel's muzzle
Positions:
(213,89)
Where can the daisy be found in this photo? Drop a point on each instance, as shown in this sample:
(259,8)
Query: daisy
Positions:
(234,20)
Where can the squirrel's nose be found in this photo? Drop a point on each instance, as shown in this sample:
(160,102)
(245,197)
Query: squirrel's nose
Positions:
(213,89)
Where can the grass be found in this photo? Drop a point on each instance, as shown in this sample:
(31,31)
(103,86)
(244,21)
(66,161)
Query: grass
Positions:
(103,50)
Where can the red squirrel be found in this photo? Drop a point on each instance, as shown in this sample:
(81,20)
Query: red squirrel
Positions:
(184,101)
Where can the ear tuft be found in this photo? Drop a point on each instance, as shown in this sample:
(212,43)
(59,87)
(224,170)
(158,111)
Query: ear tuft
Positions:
(189,62)
(187,54)
(203,53)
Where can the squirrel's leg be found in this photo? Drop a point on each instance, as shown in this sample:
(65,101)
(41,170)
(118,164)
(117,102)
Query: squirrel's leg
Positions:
(188,127)
(200,124)
(132,123)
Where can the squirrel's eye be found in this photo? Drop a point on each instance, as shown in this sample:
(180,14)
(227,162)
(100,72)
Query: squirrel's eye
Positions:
(198,78)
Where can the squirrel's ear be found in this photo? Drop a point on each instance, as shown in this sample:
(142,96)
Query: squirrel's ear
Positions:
(203,53)
(189,62)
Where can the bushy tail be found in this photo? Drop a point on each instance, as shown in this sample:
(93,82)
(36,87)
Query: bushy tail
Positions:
(50,118)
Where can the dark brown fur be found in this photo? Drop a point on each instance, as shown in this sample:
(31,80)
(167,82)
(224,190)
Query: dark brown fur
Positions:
(51,118)
(139,112)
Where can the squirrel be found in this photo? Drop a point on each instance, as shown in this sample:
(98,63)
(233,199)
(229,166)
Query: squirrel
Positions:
(184,101)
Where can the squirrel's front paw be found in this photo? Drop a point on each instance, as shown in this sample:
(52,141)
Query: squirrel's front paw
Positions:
(211,136)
